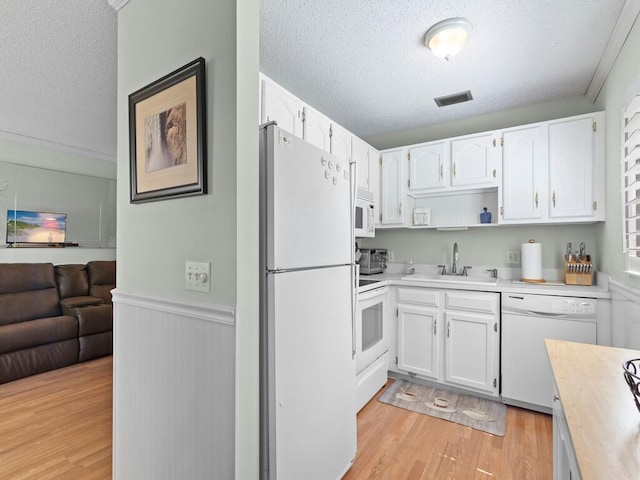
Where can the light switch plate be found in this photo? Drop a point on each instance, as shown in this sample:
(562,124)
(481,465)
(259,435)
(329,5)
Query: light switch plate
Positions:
(197,276)
(512,257)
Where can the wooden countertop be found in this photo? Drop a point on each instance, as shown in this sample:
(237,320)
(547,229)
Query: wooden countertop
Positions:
(603,420)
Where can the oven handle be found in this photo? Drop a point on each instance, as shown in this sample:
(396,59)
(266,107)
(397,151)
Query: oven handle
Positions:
(374,292)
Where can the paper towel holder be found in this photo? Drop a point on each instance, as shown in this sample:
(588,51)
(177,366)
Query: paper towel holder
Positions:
(528,279)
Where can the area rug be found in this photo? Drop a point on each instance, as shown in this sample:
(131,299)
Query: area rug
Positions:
(474,412)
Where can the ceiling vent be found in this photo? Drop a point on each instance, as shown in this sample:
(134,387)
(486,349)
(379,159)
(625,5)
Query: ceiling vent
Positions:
(453,99)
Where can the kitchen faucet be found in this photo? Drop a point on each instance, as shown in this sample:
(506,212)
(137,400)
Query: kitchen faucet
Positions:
(454,267)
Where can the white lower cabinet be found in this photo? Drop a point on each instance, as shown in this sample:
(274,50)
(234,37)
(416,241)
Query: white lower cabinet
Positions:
(565,464)
(450,336)
(418,340)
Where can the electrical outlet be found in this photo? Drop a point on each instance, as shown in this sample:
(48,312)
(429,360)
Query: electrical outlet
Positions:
(197,276)
(513,256)
(391,255)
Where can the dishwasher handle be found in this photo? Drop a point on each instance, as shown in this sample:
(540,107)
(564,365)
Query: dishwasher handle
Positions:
(533,313)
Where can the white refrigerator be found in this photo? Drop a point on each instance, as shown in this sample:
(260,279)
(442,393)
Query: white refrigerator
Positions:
(307,404)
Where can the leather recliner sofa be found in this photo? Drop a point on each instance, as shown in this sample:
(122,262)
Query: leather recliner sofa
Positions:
(52,317)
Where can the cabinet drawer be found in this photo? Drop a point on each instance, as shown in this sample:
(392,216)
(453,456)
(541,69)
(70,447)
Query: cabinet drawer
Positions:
(422,296)
(484,302)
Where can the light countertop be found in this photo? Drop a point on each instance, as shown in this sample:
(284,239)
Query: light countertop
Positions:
(603,421)
(503,286)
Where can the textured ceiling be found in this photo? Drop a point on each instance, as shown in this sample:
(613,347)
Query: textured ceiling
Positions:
(360,62)
(363,62)
(58,72)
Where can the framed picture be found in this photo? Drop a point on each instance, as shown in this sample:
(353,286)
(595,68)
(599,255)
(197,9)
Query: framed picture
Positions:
(167,136)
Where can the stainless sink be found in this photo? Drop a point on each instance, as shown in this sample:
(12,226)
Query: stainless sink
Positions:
(419,277)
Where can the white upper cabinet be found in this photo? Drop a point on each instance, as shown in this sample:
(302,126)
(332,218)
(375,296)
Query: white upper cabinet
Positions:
(475,160)
(428,166)
(317,129)
(391,187)
(367,160)
(553,172)
(279,105)
(459,163)
(524,170)
(340,142)
(543,173)
(360,155)
(576,147)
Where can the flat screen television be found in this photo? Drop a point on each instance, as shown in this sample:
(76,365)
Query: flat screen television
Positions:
(36,227)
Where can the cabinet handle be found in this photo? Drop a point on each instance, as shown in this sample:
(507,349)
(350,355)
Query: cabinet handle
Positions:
(536,199)
(595,205)
(441,171)
(554,199)
(400,209)
(448,329)
(494,173)
(454,170)
(494,142)
(435,327)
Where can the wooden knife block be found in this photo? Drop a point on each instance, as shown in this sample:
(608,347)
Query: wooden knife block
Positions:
(574,278)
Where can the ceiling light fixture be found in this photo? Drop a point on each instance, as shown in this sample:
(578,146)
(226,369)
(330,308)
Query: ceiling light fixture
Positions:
(448,37)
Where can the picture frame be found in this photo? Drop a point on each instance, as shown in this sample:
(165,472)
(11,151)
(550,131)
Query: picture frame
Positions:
(167,136)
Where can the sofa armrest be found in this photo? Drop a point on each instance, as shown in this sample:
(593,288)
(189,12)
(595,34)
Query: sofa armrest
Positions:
(69,305)
(94,319)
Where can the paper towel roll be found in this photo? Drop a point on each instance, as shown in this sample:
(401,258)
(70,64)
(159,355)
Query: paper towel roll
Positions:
(531,257)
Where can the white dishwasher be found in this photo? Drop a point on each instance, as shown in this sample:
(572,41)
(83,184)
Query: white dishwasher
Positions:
(526,321)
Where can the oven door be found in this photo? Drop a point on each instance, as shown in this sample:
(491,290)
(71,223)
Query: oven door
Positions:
(370,344)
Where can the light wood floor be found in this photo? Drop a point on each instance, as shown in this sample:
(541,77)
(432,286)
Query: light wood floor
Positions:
(57,425)
(395,444)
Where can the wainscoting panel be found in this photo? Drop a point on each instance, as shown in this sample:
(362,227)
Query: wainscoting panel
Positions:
(173,389)
(625,316)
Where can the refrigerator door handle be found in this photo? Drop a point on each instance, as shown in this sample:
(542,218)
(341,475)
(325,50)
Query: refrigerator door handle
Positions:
(354,291)
(354,303)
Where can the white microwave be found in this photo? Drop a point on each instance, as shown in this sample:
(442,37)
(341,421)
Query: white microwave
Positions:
(364,216)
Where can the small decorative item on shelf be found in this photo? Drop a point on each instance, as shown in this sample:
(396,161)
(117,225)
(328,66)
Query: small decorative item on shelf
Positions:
(485,217)
(632,376)
(421,216)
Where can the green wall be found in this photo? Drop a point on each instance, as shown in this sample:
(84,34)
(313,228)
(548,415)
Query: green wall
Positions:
(623,79)
(155,239)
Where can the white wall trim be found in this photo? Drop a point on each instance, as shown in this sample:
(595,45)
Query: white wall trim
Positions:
(629,293)
(117,4)
(58,147)
(627,18)
(203,311)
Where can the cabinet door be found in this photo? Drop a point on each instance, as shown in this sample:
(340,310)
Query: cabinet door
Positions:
(418,336)
(524,170)
(280,106)
(571,165)
(428,166)
(392,192)
(317,129)
(471,349)
(340,142)
(475,160)
(360,155)
(374,181)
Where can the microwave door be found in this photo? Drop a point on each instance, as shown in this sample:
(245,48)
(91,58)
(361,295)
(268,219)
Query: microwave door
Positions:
(359,218)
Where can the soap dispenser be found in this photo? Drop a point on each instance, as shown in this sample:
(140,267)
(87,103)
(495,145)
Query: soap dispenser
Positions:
(485,217)
(410,268)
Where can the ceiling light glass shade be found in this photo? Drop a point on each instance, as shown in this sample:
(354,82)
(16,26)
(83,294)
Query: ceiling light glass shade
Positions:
(448,37)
